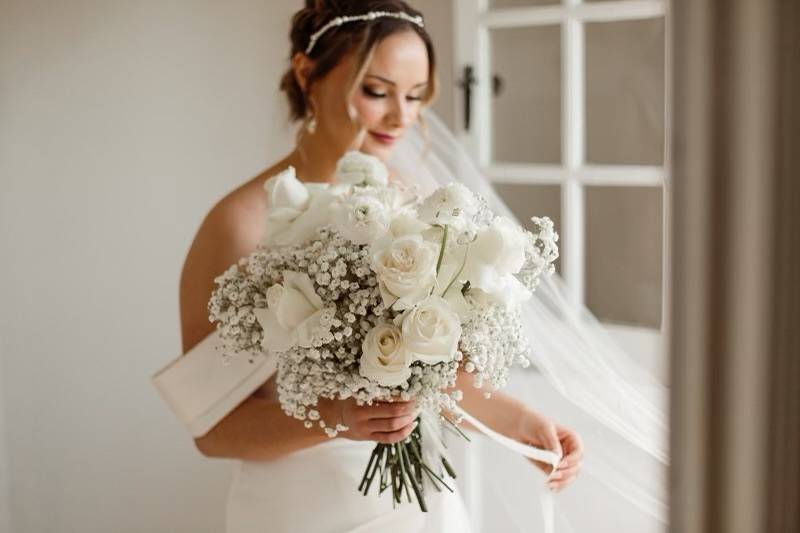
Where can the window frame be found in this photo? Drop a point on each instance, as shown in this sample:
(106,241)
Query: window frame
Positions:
(474,20)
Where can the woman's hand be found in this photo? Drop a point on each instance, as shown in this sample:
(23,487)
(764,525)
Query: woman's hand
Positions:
(540,431)
(385,422)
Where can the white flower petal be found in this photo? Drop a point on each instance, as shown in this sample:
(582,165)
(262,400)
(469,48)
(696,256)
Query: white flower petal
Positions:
(276,337)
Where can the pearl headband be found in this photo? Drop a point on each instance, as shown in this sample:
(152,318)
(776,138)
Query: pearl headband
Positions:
(372,15)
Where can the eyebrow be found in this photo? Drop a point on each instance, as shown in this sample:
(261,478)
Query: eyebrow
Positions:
(390,82)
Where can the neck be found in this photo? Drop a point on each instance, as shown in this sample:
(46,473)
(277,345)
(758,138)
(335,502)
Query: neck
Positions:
(314,159)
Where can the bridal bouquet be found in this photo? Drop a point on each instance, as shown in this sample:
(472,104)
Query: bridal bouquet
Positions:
(362,290)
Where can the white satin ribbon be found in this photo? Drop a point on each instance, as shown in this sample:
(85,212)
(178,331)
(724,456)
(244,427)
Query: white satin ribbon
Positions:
(531,452)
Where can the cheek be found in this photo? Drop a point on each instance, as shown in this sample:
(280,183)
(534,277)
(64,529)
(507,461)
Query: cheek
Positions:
(370,110)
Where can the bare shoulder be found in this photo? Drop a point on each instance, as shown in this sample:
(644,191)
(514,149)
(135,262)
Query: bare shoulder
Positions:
(232,229)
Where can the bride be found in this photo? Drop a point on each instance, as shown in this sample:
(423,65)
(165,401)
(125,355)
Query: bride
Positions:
(357,85)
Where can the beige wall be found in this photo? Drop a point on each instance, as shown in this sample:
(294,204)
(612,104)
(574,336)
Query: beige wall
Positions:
(120,124)
(439,23)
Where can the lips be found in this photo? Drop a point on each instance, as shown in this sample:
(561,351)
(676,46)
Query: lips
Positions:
(383,138)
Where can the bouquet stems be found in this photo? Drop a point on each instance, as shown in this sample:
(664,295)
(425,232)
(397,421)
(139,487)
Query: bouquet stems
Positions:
(401,466)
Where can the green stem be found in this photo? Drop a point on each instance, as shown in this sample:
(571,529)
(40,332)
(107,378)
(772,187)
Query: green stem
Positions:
(449,468)
(460,270)
(404,475)
(454,426)
(372,458)
(441,250)
(381,449)
(404,460)
(415,448)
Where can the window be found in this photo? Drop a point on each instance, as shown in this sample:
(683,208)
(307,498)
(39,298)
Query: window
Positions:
(568,119)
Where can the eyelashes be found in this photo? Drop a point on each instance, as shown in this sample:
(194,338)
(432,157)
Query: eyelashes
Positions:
(370,93)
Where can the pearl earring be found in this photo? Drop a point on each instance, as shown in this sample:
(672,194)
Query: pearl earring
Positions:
(311,123)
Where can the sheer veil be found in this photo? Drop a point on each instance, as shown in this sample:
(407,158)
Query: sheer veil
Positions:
(580,377)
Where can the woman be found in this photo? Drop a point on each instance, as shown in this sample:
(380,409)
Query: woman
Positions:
(359,85)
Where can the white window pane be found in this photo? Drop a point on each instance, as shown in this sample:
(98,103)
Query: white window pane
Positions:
(526,114)
(625,92)
(624,254)
(527,201)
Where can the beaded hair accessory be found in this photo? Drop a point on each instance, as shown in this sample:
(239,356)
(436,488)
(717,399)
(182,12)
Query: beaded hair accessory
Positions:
(372,15)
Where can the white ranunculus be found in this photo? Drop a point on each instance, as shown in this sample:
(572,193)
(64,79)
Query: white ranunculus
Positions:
(497,253)
(295,210)
(384,358)
(406,270)
(431,330)
(404,223)
(361,218)
(294,314)
(453,205)
(357,168)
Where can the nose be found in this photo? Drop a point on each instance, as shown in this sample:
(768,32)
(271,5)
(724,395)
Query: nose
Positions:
(400,114)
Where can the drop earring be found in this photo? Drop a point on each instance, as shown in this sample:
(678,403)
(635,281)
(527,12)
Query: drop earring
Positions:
(311,122)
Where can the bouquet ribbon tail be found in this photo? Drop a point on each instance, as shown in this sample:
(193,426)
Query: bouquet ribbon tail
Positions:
(531,452)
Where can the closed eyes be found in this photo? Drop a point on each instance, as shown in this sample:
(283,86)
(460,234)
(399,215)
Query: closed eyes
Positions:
(371,93)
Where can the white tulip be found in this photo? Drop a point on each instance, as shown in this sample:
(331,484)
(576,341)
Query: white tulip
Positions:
(295,210)
(496,255)
(295,314)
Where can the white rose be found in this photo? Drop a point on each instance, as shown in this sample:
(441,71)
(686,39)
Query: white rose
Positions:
(361,218)
(406,270)
(494,257)
(295,211)
(453,205)
(357,168)
(294,315)
(430,330)
(384,359)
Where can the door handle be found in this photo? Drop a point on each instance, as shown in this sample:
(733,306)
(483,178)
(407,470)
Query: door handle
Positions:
(465,84)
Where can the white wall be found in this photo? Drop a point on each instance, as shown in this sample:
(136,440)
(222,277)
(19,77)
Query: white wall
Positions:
(120,124)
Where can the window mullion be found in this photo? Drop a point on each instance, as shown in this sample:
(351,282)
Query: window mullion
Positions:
(573,119)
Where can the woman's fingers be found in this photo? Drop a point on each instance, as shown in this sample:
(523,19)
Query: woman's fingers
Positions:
(544,467)
(389,409)
(390,437)
(558,485)
(388,425)
(567,473)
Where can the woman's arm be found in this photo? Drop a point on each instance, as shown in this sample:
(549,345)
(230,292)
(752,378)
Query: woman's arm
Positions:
(501,412)
(514,419)
(257,428)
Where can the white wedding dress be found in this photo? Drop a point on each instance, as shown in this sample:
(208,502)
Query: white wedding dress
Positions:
(315,490)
